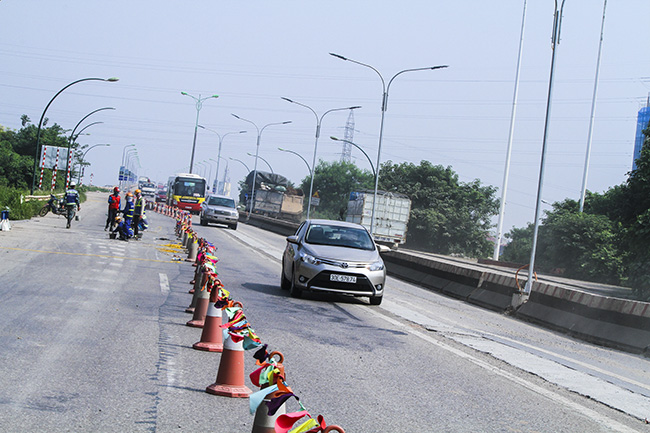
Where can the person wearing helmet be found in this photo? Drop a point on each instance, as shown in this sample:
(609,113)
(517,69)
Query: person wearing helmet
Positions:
(138,212)
(113,208)
(128,215)
(119,229)
(71,202)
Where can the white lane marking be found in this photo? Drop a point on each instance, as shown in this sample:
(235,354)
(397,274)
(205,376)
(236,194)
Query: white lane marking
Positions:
(164,283)
(608,422)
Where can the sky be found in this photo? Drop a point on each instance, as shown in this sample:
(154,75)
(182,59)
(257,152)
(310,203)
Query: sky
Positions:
(253,53)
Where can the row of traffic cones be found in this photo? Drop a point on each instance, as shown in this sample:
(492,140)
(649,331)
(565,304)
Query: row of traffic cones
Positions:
(210,306)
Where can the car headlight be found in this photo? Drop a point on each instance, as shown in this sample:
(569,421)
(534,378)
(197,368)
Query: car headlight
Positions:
(310,259)
(377,266)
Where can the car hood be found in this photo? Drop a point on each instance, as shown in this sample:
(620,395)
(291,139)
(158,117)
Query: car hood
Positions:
(342,254)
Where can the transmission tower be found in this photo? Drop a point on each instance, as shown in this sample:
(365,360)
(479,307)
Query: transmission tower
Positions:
(346,154)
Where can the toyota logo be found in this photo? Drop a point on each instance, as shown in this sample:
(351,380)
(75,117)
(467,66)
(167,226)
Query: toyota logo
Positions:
(344,265)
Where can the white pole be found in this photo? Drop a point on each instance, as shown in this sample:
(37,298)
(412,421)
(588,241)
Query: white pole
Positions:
(506,172)
(593,112)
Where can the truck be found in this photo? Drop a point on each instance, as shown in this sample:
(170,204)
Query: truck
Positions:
(391,215)
(274,197)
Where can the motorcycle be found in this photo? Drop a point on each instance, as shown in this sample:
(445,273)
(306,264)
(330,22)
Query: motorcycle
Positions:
(57,206)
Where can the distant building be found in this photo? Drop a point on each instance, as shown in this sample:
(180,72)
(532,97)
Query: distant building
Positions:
(641,124)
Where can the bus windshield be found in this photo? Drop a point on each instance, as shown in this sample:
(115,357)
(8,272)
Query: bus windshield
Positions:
(190,187)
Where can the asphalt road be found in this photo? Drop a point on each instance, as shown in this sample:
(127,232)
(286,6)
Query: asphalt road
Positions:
(93,338)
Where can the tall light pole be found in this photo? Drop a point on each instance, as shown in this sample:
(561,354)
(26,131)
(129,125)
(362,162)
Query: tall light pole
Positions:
(267,163)
(40,123)
(216,176)
(199,105)
(384,106)
(506,171)
(583,191)
(127,170)
(257,153)
(374,172)
(319,120)
(555,41)
(73,137)
(83,159)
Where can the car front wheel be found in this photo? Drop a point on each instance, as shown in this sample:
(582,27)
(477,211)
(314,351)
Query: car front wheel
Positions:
(285,284)
(294,291)
(375,300)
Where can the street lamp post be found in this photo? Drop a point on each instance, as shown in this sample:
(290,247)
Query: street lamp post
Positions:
(267,163)
(374,172)
(73,138)
(40,123)
(216,176)
(127,169)
(257,152)
(555,40)
(318,125)
(81,161)
(199,105)
(384,106)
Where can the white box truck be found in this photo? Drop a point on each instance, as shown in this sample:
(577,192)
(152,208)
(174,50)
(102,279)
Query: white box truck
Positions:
(391,215)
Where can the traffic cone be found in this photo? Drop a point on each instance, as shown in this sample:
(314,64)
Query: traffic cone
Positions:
(200,309)
(192,250)
(230,377)
(265,423)
(212,335)
(332,428)
(199,282)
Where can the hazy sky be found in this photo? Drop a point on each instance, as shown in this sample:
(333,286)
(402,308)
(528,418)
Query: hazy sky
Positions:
(252,53)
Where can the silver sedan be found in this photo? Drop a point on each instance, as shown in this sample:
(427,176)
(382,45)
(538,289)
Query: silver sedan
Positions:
(333,256)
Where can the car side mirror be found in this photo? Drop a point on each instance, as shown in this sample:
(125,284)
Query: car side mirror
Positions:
(292,239)
(383,249)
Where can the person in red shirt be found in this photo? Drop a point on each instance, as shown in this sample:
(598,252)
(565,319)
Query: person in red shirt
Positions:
(113,208)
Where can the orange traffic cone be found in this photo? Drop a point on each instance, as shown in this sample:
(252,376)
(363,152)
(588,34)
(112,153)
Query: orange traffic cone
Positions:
(331,428)
(230,377)
(212,335)
(200,309)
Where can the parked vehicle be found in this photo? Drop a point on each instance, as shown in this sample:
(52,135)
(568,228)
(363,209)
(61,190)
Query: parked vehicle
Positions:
(148,189)
(186,191)
(391,215)
(333,256)
(219,209)
(55,205)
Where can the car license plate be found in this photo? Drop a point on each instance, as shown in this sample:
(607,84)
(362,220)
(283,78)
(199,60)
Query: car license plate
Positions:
(343,278)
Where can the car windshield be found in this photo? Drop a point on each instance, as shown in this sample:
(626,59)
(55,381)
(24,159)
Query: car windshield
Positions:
(351,237)
(221,201)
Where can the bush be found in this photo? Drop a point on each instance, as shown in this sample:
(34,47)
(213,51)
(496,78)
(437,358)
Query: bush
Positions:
(18,209)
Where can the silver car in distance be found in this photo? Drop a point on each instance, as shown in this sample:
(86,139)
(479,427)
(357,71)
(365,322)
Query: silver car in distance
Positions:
(333,256)
(219,209)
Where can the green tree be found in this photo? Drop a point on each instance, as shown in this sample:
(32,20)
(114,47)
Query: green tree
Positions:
(447,216)
(334,181)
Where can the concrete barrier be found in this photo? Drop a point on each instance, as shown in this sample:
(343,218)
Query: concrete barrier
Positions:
(613,322)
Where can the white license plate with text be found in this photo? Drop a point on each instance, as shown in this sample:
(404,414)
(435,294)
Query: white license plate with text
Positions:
(343,278)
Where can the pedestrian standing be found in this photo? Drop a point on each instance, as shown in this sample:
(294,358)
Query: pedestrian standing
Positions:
(138,212)
(113,208)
